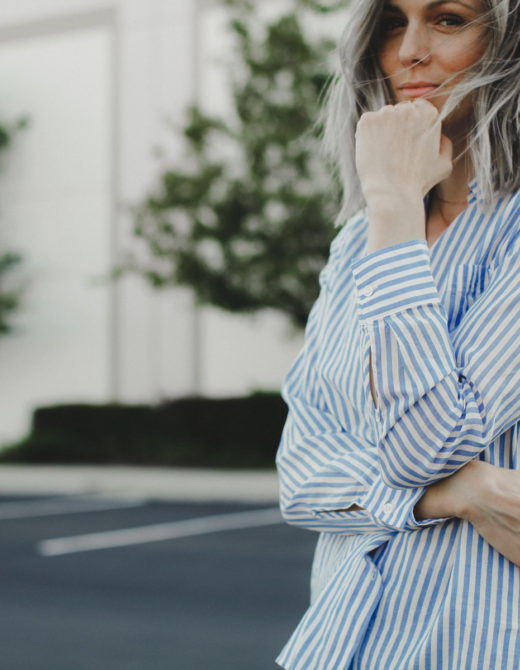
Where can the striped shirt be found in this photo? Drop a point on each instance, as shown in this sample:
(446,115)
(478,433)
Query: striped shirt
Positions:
(389,592)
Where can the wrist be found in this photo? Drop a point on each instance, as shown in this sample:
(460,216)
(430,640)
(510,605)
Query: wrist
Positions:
(458,495)
(477,481)
(379,193)
(394,219)
(435,503)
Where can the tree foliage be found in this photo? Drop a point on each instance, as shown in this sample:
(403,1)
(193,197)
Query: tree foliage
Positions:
(246,221)
(9,292)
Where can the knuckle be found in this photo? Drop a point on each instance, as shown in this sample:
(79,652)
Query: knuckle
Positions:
(365,118)
(387,110)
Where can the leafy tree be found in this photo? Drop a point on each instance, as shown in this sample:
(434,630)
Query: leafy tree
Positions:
(9,298)
(9,294)
(247,220)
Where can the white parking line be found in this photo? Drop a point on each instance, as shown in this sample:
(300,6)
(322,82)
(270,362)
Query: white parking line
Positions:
(66,505)
(162,531)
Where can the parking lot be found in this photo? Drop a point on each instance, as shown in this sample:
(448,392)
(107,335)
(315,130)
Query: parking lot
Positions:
(96,581)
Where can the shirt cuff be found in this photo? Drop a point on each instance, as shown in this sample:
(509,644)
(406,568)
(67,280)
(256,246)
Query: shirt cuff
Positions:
(393,279)
(393,508)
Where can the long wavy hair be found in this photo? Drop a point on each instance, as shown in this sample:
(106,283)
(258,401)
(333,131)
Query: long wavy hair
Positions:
(493,82)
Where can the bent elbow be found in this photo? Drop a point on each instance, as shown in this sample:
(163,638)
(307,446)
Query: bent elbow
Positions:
(288,512)
(296,513)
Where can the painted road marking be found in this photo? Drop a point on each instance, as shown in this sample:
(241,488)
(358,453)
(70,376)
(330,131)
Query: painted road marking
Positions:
(162,531)
(66,505)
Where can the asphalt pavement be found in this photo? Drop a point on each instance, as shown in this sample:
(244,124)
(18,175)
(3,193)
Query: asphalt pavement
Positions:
(103,569)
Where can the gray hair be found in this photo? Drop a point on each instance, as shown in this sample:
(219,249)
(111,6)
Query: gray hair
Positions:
(494,83)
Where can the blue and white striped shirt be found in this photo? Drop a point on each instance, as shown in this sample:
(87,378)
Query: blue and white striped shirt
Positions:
(442,323)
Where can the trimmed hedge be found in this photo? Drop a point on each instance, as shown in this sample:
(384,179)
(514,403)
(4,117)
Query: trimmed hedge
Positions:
(222,433)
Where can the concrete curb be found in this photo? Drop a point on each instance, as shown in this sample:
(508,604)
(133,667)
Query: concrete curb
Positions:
(150,482)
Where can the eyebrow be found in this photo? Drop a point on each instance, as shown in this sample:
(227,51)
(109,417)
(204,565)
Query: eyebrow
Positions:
(436,3)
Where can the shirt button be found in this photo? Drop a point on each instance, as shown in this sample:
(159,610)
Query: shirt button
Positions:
(388,508)
(367,291)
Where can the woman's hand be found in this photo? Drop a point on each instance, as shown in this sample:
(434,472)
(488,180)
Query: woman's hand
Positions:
(400,149)
(485,495)
(400,155)
(494,508)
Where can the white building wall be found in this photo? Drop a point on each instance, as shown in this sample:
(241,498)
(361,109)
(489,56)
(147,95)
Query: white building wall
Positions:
(157,73)
(100,78)
(55,210)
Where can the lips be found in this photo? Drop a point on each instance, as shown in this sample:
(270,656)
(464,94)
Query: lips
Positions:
(417,89)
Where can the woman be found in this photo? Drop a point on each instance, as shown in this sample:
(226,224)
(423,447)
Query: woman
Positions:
(401,443)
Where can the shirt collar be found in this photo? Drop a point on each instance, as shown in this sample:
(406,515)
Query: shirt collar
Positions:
(476,192)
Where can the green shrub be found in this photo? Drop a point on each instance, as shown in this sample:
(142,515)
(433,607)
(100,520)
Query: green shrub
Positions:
(220,433)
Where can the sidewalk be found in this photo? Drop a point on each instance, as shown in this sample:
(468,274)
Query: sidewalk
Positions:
(152,482)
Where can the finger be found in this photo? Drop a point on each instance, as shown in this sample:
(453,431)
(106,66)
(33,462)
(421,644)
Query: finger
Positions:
(422,102)
(426,110)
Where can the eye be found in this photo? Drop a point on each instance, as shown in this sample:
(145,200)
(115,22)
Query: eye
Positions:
(450,21)
(390,24)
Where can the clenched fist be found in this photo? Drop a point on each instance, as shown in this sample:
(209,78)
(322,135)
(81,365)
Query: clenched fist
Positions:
(401,148)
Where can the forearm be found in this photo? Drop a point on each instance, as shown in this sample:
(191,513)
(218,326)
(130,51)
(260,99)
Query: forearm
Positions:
(418,384)
(438,502)
(394,218)
(392,221)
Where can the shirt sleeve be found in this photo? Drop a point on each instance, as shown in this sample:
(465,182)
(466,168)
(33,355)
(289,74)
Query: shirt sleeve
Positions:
(442,397)
(323,469)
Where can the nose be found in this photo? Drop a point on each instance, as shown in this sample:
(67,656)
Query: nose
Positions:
(415,46)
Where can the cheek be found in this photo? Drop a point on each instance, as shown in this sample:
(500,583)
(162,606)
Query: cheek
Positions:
(457,57)
(389,60)
(387,53)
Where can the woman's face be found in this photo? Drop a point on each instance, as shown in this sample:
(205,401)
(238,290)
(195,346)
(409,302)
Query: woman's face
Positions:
(423,43)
